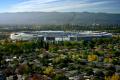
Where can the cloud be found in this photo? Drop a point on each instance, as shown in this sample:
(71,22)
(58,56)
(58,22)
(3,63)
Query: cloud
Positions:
(58,5)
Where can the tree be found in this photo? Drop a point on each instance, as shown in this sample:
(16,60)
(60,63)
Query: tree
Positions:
(49,71)
(99,74)
(67,44)
(60,77)
(113,77)
(92,57)
(89,71)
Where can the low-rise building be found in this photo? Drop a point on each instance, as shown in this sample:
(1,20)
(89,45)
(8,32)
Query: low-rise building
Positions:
(59,35)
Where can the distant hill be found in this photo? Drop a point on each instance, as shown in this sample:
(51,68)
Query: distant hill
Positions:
(59,18)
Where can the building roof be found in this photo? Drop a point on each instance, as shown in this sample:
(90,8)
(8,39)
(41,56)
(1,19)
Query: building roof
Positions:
(57,34)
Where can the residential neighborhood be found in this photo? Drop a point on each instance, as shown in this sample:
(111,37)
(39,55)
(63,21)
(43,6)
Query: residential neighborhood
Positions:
(97,59)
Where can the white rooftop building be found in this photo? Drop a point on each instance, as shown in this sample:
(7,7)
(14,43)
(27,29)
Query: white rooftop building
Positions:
(21,36)
(59,35)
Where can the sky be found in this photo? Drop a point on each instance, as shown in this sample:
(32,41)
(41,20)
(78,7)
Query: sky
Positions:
(105,6)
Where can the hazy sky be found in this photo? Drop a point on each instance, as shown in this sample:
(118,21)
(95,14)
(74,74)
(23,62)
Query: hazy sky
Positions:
(109,6)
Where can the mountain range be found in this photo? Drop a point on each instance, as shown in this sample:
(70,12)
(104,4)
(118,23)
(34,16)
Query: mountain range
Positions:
(82,18)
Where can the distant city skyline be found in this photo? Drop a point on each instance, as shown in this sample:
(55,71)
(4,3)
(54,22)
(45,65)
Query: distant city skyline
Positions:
(105,6)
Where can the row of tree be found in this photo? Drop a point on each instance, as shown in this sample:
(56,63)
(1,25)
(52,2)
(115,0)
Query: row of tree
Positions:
(66,27)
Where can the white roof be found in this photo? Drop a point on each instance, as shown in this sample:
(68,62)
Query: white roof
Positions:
(52,31)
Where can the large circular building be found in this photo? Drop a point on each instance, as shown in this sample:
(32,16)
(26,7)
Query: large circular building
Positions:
(59,35)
